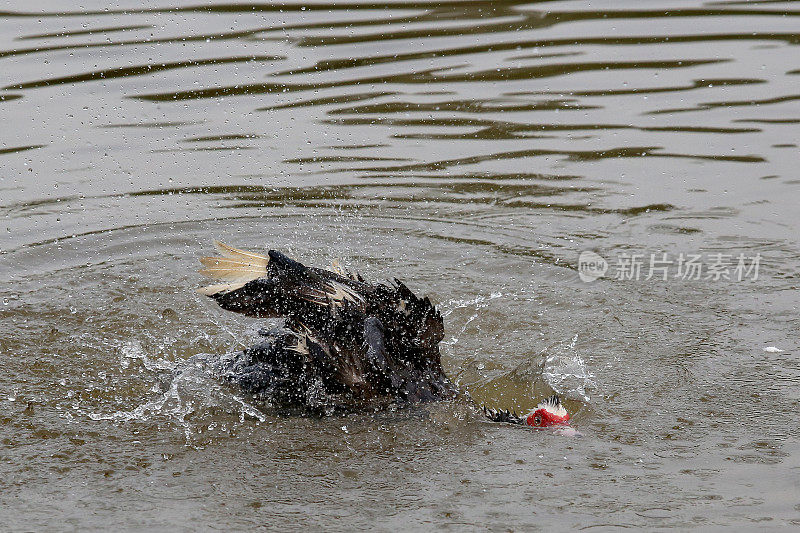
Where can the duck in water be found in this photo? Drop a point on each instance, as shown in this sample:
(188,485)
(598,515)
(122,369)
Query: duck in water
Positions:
(346,344)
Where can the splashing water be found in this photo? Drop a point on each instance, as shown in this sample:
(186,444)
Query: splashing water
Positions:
(191,394)
(559,367)
(565,370)
(194,397)
(132,350)
(480,302)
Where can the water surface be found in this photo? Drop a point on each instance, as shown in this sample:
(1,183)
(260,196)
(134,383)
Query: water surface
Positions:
(473,149)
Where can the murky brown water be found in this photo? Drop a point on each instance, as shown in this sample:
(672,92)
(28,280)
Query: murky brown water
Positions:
(473,149)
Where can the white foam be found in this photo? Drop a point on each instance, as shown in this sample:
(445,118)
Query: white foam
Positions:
(772,349)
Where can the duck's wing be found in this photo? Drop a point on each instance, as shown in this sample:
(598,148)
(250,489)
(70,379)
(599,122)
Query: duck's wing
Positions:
(412,329)
(369,340)
(294,367)
(326,347)
(275,285)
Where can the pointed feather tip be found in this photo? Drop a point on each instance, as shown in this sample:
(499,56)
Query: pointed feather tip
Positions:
(234,253)
(232,274)
(228,262)
(209,290)
(235,265)
(336,267)
(212,290)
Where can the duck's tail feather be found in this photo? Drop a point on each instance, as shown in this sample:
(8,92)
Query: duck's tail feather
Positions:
(237,267)
(241,255)
(210,290)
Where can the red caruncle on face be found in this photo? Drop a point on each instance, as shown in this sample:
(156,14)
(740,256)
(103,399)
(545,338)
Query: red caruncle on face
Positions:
(543,418)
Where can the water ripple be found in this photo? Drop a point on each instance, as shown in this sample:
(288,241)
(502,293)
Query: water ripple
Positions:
(139,70)
(475,148)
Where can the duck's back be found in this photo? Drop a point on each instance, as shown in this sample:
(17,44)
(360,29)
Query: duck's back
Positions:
(345,344)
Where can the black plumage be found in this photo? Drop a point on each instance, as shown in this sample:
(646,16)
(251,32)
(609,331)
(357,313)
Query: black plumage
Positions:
(345,344)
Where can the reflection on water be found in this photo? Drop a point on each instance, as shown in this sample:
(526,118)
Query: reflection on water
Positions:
(473,149)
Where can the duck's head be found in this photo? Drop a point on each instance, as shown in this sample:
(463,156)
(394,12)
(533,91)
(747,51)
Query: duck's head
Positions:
(549,413)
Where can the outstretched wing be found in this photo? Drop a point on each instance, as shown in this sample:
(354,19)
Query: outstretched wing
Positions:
(277,286)
(357,340)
